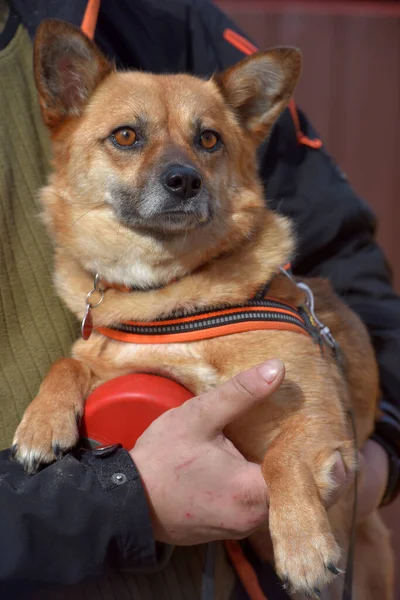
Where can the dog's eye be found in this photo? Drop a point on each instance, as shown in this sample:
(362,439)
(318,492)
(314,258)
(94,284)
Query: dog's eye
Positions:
(209,139)
(125,136)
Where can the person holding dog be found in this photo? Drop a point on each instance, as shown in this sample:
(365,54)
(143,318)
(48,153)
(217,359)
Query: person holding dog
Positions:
(144,511)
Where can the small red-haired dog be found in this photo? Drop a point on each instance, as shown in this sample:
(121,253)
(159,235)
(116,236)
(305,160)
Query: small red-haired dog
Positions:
(155,193)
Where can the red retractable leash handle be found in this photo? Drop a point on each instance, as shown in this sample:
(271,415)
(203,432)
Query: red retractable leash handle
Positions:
(120,410)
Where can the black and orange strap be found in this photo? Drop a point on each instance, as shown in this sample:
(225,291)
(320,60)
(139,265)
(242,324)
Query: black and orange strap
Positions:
(261,312)
(255,315)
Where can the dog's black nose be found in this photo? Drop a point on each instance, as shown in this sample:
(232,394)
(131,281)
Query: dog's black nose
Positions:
(184,182)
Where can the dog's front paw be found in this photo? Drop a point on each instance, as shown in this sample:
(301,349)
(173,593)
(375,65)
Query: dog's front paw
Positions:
(306,553)
(44,435)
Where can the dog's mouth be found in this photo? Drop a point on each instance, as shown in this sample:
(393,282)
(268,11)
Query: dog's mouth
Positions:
(159,213)
(168,221)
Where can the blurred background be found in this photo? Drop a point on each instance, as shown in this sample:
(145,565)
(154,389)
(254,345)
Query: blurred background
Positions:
(350,89)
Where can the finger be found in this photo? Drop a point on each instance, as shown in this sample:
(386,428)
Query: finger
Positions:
(218,407)
(372,478)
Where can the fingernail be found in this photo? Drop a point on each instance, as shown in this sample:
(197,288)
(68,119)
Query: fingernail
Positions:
(270,370)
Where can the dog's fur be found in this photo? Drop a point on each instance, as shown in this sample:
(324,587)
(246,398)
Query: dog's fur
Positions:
(108,213)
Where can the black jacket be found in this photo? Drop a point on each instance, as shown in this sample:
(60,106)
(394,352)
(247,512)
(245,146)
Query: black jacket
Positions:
(70,520)
(335,230)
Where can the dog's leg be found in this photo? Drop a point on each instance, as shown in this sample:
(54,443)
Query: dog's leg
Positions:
(50,423)
(306,552)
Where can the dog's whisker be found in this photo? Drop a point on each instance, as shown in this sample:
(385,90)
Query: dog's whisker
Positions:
(84,214)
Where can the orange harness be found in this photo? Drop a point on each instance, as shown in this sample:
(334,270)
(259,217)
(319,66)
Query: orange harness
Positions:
(266,313)
(261,312)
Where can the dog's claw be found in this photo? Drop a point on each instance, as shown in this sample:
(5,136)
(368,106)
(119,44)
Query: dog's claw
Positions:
(33,465)
(58,453)
(316,593)
(333,569)
(13,451)
(286,583)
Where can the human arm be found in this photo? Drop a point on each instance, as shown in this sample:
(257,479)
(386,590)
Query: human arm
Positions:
(89,510)
(70,519)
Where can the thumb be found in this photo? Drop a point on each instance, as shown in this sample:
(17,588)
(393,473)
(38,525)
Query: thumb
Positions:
(225,403)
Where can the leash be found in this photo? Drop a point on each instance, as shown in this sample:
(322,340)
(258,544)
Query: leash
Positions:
(244,570)
(208,580)
(348,578)
(241,565)
(330,340)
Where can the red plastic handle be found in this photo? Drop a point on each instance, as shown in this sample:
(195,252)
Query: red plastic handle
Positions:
(120,410)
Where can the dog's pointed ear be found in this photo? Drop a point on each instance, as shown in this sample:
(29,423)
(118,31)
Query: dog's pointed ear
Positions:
(68,67)
(259,87)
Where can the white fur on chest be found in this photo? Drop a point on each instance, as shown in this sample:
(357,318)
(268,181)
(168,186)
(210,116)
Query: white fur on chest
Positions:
(184,362)
(136,273)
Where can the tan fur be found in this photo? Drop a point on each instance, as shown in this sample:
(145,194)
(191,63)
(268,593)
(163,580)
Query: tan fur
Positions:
(296,432)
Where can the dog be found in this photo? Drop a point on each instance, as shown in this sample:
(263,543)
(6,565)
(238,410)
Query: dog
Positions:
(156,209)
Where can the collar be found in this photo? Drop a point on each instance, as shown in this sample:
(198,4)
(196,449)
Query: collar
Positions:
(126,289)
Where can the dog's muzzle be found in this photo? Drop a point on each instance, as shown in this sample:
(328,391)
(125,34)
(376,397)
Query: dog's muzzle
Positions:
(175,200)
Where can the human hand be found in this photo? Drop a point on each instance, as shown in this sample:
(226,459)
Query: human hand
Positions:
(373,478)
(200,488)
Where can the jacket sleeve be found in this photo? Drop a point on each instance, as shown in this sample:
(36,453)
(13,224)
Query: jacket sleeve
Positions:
(72,519)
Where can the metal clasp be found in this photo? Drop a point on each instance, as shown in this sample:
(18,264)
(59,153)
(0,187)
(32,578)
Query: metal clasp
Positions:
(87,321)
(323,330)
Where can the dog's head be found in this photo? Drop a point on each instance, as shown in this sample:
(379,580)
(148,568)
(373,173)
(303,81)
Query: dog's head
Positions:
(153,170)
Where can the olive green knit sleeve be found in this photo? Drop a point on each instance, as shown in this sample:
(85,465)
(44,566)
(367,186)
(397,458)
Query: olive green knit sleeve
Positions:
(35,329)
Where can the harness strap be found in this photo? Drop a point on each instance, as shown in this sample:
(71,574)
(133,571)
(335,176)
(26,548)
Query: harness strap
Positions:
(254,316)
(348,577)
